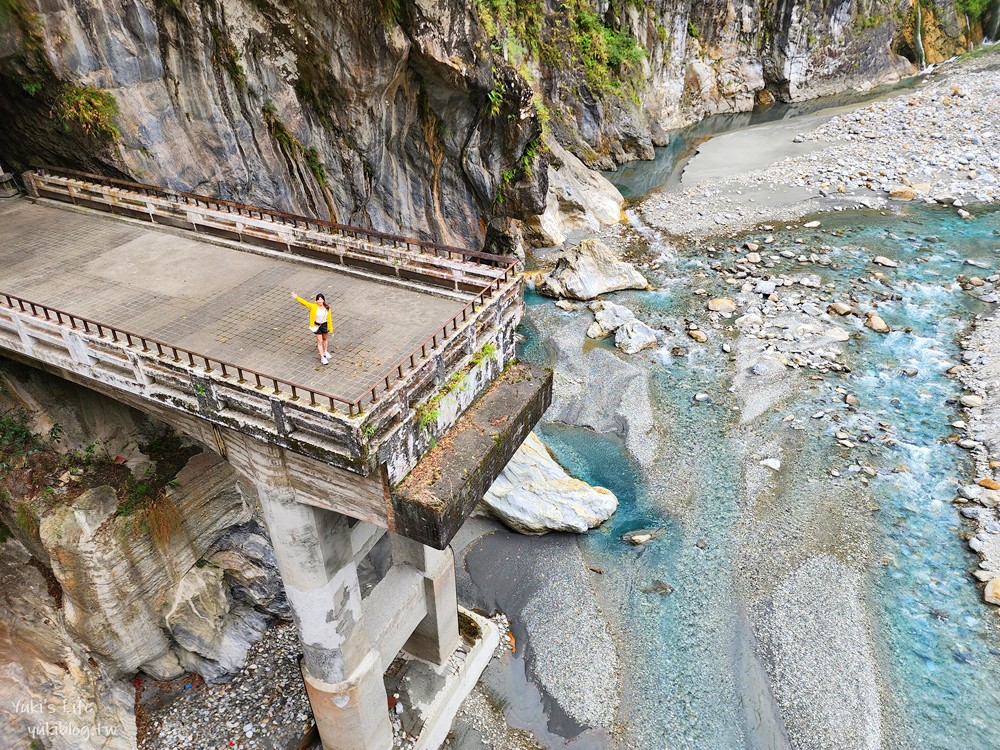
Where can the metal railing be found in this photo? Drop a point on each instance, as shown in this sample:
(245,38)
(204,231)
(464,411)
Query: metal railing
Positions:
(179,355)
(409,362)
(381,385)
(286,219)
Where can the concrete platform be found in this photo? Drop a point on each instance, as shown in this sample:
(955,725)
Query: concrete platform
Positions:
(437,496)
(430,696)
(212,299)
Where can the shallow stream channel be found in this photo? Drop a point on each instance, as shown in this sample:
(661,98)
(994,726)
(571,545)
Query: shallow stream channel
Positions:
(809,585)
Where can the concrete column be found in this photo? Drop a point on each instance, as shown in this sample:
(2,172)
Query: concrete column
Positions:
(342,673)
(436,637)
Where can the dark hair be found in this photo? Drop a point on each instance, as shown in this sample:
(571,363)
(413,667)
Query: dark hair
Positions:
(321,297)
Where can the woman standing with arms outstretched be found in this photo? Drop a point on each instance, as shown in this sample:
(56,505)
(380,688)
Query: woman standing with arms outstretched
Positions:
(320,323)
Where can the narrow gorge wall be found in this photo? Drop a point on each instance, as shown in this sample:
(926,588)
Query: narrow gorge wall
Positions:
(358,112)
(615,76)
(422,115)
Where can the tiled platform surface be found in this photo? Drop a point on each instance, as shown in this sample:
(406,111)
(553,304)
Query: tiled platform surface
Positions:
(215,300)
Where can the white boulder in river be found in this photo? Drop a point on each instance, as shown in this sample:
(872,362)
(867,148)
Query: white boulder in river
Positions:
(535,495)
(588,270)
(634,336)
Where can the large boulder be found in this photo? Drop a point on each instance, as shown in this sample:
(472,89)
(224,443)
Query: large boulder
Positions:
(608,318)
(578,199)
(246,554)
(588,270)
(634,336)
(214,632)
(49,679)
(535,495)
(118,578)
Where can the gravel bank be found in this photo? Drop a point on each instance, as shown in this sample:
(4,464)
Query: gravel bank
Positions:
(978,496)
(937,143)
(823,677)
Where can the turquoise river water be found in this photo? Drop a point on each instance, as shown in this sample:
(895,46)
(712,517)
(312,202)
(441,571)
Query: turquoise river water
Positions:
(705,665)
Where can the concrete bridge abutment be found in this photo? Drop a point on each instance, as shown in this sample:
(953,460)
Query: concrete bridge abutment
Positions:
(336,466)
(347,640)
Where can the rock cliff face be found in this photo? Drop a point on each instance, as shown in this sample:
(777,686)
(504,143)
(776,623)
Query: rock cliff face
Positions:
(616,76)
(97,584)
(365,113)
(420,115)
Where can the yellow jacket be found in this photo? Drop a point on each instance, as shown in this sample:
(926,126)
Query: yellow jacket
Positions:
(313,308)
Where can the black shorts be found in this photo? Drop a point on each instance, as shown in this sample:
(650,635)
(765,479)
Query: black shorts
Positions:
(321,330)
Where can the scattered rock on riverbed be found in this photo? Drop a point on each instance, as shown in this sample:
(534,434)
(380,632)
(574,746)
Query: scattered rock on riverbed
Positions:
(722,305)
(698,335)
(634,336)
(608,318)
(841,308)
(641,536)
(874,321)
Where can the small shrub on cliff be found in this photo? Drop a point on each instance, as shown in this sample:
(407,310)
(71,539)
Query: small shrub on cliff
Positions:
(17,441)
(292,146)
(316,166)
(4,533)
(573,38)
(17,12)
(227,57)
(609,56)
(974,9)
(513,21)
(163,519)
(495,97)
(24,519)
(88,109)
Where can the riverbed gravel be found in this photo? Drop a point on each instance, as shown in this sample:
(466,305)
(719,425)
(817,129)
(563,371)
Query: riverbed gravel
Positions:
(936,143)
(573,654)
(823,675)
(264,707)
(978,496)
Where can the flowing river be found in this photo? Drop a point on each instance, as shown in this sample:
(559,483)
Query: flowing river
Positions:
(827,603)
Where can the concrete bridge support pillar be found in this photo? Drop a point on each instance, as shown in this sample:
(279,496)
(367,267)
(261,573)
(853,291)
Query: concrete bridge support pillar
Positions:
(342,672)
(436,637)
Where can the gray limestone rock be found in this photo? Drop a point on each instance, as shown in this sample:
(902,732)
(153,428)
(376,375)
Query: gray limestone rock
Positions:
(588,270)
(117,578)
(634,336)
(213,631)
(535,495)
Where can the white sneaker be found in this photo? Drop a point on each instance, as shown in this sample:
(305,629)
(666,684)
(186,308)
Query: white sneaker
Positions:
(324,361)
